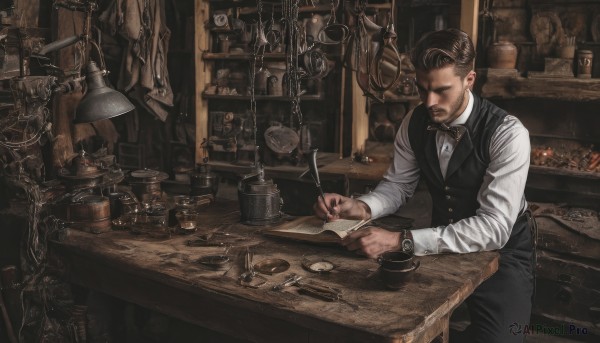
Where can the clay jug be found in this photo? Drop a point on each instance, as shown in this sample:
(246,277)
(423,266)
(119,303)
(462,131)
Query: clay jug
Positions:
(502,55)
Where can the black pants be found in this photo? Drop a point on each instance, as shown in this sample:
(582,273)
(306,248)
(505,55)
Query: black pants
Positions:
(501,305)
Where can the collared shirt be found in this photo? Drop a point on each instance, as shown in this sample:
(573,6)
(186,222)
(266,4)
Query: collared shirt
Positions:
(445,143)
(500,197)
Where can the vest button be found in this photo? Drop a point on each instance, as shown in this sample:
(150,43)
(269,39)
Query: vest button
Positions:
(446,188)
(448,197)
(450,221)
(450,209)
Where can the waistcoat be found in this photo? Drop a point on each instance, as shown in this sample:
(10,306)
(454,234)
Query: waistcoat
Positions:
(455,197)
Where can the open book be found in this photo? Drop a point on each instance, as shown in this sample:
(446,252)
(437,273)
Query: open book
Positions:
(312,229)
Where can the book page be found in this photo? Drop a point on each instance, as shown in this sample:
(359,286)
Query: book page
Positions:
(342,227)
(309,226)
(313,226)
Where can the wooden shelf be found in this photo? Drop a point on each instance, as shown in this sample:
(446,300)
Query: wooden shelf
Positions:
(570,89)
(216,56)
(324,159)
(384,6)
(563,172)
(245,56)
(311,97)
(301,9)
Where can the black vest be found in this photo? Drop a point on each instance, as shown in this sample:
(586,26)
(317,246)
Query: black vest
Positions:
(455,198)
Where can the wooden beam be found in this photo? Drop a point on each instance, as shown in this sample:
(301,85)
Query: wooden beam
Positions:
(469,15)
(68,23)
(28,13)
(203,73)
(568,89)
(360,117)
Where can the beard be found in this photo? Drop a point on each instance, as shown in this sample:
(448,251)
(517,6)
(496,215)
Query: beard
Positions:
(440,115)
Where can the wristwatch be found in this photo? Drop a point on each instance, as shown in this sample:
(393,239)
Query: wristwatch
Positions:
(406,242)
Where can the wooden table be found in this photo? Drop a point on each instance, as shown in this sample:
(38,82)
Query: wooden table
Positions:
(164,275)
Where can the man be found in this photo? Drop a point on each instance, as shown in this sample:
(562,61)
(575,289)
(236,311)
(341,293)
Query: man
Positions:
(474,158)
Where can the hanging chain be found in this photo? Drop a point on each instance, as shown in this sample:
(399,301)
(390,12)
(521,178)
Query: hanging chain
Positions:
(256,55)
(292,58)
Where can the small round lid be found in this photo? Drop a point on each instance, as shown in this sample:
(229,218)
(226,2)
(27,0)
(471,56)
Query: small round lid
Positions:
(144,173)
(147,175)
(90,199)
(261,187)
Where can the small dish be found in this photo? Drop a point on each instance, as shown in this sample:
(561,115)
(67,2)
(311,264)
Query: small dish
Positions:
(218,262)
(272,266)
(319,266)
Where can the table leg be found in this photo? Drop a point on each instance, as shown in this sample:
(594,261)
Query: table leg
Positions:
(444,336)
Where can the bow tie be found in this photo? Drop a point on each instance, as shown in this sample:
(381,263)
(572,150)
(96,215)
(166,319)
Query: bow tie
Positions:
(456,132)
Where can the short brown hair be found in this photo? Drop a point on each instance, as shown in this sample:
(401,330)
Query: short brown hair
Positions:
(442,48)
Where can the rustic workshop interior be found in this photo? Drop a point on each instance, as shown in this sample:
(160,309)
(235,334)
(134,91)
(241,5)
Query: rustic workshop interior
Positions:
(155,154)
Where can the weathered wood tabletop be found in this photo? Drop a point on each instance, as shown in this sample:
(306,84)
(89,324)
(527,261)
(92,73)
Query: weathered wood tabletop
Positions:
(165,275)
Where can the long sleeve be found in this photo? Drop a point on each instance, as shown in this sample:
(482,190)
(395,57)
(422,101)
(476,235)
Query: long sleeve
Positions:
(500,198)
(500,195)
(400,180)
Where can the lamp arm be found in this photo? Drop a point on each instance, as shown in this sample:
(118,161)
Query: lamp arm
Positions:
(68,86)
(100,56)
(59,44)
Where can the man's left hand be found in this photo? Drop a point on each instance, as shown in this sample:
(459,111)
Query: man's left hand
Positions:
(372,241)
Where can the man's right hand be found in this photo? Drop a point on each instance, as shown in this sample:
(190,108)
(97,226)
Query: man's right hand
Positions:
(340,207)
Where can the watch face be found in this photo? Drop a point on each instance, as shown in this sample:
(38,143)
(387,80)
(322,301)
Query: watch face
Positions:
(407,245)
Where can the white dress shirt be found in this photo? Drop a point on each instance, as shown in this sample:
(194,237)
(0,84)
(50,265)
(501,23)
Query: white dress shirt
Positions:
(500,197)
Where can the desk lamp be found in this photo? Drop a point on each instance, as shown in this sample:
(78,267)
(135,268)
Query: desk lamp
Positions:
(100,101)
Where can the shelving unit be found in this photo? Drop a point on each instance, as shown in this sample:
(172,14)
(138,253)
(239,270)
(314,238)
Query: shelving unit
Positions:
(210,56)
(357,125)
(321,118)
(571,89)
(312,97)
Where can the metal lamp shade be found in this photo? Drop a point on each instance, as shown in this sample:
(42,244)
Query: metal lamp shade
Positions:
(100,102)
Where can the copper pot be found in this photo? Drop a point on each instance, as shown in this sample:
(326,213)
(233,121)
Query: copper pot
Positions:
(89,208)
(502,55)
(145,183)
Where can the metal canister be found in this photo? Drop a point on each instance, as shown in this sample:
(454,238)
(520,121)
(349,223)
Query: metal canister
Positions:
(204,182)
(260,200)
(584,64)
(145,183)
